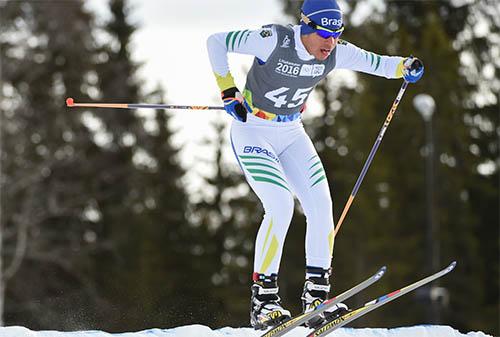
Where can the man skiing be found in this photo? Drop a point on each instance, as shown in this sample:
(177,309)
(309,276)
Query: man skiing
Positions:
(274,152)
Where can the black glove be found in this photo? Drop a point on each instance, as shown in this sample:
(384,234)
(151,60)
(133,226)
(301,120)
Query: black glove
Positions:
(235,104)
(413,69)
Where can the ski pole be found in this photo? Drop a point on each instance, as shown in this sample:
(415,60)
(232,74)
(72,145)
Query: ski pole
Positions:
(71,104)
(371,155)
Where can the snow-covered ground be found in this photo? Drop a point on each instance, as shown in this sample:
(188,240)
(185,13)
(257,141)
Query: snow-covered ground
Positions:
(204,331)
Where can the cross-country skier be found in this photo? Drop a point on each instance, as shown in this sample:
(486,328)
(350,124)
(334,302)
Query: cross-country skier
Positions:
(276,155)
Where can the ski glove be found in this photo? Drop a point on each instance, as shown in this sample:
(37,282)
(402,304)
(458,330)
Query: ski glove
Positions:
(235,104)
(413,69)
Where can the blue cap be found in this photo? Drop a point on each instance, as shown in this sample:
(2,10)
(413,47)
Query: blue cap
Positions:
(325,13)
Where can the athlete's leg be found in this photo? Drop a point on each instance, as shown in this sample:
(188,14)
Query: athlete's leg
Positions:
(256,154)
(307,177)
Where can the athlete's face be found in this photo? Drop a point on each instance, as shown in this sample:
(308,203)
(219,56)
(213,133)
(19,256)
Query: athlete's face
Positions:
(318,46)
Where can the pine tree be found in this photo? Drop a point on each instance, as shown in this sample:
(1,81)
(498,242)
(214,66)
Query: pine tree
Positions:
(227,218)
(144,210)
(120,133)
(160,255)
(46,163)
(386,224)
(93,196)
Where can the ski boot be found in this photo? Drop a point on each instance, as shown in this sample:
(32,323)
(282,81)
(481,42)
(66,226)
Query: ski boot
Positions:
(316,290)
(265,309)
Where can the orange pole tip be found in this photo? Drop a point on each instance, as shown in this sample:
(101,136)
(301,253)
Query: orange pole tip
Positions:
(70,101)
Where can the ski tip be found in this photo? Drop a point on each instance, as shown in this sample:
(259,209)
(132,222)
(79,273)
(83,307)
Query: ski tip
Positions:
(382,271)
(452,266)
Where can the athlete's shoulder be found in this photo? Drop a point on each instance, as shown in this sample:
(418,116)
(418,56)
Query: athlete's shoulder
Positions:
(272,30)
(345,47)
(263,36)
(344,44)
(267,31)
(278,26)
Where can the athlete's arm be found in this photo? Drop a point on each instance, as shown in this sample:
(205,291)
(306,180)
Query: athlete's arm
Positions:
(259,43)
(354,58)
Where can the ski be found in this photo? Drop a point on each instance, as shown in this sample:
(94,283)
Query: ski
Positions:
(294,322)
(374,304)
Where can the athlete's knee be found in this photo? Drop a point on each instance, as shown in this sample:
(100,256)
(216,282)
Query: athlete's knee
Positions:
(281,206)
(319,209)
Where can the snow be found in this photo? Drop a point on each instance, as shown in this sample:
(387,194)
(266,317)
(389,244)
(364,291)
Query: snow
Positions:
(204,331)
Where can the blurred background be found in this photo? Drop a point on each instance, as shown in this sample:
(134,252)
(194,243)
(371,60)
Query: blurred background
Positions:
(124,220)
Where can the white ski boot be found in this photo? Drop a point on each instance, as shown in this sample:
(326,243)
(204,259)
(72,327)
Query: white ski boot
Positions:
(316,290)
(265,309)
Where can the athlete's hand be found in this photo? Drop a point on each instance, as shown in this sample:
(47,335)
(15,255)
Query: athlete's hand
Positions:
(413,69)
(235,104)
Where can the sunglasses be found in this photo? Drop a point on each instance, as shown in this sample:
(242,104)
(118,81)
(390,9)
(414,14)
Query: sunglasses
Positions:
(322,31)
